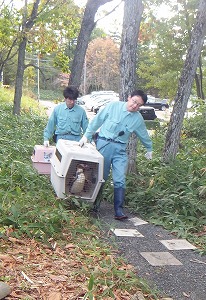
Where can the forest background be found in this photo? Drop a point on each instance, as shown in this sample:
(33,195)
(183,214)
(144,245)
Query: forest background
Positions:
(162,46)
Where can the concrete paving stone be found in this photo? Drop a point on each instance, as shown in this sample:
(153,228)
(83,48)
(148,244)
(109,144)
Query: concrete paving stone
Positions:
(177,244)
(126,232)
(161,259)
(137,221)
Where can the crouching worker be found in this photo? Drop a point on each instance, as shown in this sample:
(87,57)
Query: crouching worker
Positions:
(117,121)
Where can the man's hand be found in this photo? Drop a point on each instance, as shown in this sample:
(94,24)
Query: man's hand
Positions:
(46,143)
(83,141)
(148,155)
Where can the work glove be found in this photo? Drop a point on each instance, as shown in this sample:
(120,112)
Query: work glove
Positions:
(46,143)
(148,155)
(83,141)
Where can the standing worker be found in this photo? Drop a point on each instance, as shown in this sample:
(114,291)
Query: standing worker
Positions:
(117,121)
(68,120)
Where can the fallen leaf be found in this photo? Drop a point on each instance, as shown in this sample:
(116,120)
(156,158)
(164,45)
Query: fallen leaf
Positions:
(186,295)
(70,246)
(54,296)
(14,240)
(58,278)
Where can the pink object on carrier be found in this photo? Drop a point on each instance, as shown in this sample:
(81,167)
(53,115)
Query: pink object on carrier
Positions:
(41,158)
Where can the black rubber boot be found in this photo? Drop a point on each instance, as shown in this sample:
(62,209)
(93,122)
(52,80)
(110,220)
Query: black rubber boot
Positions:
(119,195)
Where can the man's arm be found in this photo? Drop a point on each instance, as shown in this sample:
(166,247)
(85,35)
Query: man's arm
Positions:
(85,122)
(50,127)
(144,137)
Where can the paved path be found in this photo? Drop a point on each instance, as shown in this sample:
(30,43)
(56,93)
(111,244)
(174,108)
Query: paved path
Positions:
(170,264)
(49,105)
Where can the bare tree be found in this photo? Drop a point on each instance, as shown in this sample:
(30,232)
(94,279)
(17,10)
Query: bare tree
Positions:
(171,146)
(87,26)
(133,10)
(102,65)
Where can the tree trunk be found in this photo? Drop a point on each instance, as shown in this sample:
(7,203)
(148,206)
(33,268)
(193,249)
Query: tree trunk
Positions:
(87,26)
(198,81)
(133,10)
(132,154)
(171,146)
(19,77)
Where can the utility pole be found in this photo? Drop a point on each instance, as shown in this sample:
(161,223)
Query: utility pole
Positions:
(38,92)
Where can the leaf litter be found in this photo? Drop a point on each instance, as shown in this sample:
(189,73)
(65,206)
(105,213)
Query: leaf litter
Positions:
(37,271)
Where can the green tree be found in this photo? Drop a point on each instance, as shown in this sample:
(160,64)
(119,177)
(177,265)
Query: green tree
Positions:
(163,47)
(27,23)
(48,18)
(185,85)
(9,25)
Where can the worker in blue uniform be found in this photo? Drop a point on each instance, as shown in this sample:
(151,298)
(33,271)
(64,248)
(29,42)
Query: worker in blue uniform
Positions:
(117,121)
(68,120)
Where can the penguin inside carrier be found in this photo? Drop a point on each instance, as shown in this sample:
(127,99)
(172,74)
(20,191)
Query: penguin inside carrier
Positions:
(79,181)
(81,178)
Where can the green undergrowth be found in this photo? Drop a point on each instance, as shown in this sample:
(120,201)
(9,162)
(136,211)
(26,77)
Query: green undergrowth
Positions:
(173,195)
(29,207)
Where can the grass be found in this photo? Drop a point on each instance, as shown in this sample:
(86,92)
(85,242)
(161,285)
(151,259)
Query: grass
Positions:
(30,211)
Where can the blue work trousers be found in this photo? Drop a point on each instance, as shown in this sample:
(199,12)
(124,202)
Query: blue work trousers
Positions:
(115,157)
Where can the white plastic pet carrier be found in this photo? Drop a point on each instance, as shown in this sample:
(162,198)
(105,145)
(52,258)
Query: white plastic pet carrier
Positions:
(76,171)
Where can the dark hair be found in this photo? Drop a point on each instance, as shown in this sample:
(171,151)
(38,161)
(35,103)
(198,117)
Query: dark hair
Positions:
(141,94)
(71,92)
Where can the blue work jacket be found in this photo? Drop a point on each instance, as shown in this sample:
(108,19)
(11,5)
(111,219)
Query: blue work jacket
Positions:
(64,121)
(117,123)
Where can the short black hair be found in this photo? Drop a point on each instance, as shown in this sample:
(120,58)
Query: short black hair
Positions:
(71,92)
(141,94)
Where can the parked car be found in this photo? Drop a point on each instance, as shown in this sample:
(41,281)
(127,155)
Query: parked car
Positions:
(89,103)
(157,103)
(148,112)
(100,106)
(80,101)
(101,102)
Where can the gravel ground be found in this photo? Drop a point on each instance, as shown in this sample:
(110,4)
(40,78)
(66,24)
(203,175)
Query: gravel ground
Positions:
(186,280)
